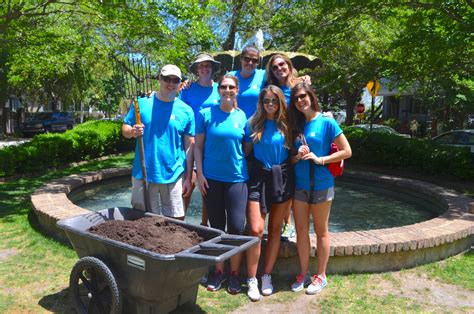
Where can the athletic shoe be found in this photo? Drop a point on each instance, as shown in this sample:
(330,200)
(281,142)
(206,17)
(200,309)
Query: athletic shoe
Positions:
(317,284)
(216,281)
(204,278)
(252,291)
(234,283)
(287,232)
(301,282)
(267,287)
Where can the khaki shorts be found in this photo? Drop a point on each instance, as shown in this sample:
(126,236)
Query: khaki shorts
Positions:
(165,199)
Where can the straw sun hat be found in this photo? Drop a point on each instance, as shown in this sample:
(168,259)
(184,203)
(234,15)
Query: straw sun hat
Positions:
(216,65)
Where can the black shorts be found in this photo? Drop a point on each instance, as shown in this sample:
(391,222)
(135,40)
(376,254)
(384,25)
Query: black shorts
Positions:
(261,187)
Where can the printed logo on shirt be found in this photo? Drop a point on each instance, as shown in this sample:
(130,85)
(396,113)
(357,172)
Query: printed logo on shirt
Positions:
(255,86)
(313,134)
(172,117)
(236,125)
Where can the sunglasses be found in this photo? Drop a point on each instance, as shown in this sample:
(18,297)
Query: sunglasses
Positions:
(300,96)
(279,65)
(248,60)
(169,79)
(230,87)
(274,101)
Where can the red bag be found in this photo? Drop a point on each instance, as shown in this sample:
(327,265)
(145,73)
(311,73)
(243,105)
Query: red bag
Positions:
(336,168)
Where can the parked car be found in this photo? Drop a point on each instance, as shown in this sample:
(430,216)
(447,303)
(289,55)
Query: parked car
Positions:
(379,128)
(42,122)
(460,138)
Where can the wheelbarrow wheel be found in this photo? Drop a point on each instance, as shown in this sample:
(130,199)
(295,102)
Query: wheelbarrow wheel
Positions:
(93,287)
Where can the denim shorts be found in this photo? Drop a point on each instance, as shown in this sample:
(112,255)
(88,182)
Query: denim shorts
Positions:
(317,196)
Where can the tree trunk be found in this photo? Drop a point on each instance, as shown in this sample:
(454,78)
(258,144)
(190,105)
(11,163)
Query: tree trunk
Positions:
(3,90)
(228,44)
(351,98)
(82,111)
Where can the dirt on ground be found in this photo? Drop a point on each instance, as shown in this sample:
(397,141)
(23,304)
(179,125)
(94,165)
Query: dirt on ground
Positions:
(154,234)
(5,254)
(430,294)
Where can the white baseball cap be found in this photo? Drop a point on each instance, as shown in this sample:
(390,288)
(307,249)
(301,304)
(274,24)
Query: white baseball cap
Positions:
(171,69)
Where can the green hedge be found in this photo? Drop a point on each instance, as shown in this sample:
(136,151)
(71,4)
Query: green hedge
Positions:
(86,141)
(100,138)
(420,156)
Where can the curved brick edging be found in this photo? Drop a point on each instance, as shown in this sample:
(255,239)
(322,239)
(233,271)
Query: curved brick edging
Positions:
(51,202)
(355,251)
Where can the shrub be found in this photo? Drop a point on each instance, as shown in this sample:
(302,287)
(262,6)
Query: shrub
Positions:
(421,156)
(86,141)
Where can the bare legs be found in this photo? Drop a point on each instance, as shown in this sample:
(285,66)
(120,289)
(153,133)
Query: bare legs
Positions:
(277,213)
(256,222)
(234,264)
(187,201)
(257,225)
(320,212)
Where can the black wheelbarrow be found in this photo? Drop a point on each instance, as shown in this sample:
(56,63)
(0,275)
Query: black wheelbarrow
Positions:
(112,276)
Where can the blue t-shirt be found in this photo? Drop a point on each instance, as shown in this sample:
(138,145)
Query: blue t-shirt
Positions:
(199,97)
(224,158)
(165,125)
(249,89)
(287,92)
(319,134)
(270,149)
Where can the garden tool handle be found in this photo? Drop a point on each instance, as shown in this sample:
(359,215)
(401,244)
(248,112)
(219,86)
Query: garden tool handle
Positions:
(141,149)
(137,111)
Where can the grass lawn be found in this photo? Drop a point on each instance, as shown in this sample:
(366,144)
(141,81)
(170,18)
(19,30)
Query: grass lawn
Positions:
(34,269)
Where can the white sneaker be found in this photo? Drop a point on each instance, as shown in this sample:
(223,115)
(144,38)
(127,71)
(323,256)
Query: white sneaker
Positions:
(267,287)
(317,284)
(253,292)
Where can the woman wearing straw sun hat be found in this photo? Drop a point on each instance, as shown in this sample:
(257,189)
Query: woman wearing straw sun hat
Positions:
(201,94)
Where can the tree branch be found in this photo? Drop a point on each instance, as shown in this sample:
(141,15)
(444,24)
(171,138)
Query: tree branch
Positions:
(450,13)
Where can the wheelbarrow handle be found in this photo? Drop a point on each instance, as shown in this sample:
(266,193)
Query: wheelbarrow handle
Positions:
(219,249)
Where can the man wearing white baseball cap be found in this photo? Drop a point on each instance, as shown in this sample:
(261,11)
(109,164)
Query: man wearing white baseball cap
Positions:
(168,136)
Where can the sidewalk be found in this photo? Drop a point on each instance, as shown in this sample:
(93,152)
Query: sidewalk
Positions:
(12,142)
(463,186)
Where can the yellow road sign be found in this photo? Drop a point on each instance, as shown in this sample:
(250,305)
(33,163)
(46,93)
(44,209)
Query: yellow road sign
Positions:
(373,87)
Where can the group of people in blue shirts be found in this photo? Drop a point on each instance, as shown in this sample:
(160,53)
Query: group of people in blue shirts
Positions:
(255,143)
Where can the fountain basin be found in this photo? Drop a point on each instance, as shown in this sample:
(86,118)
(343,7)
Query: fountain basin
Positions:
(354,251)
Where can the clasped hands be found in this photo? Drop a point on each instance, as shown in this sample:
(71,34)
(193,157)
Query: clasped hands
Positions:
(305,154)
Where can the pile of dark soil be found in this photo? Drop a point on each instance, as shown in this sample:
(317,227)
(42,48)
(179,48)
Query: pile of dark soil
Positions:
(154,234)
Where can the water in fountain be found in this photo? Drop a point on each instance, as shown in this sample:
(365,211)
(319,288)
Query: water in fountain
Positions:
(356,207)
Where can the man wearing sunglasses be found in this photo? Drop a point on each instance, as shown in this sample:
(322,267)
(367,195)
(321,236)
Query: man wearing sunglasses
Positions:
(167,127)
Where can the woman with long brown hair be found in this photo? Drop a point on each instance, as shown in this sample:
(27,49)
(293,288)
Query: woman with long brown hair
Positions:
(281,72)
(314,184)
(270,184)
